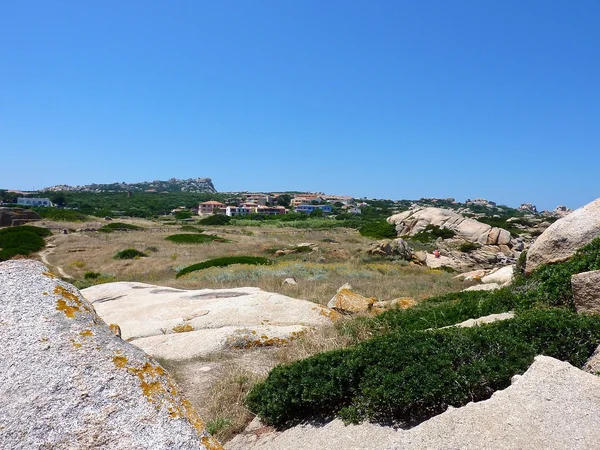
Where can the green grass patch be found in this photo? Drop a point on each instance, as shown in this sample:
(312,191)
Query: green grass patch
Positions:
(191,229)
(129,253)
(223,262)
(406,377)
(194,238)
(118,226)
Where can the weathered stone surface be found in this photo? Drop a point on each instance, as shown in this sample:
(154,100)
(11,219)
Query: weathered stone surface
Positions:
(180,324)
(395,247)
(502,276)
(401,302)
(348,301)
(586,291)
(67,382)
(289,281)
(565,236)
(415,220)
(483,287)
(552,406)
(491,318)
(592,365)
(473,275)
(10,217)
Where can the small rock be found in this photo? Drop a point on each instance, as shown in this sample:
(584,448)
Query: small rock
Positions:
(289,281)
(350,302)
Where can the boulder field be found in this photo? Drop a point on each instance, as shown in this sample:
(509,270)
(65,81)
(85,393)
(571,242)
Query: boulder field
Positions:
(179,324)
(68,382)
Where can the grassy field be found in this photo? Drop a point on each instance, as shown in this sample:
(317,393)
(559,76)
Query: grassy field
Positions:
(339,257)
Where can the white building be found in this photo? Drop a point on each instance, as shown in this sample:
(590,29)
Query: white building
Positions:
(28,201)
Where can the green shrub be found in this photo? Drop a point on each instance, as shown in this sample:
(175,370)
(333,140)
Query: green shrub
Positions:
(216,219)
(129,253)
(550,285)
(378,230)
(432,232)
(92,275)
(436,312)
(118,226)
(223,262)
(468,247)
(194,238)
(22,240)
(406,377)
(182,215)
(65,215)
(191,228)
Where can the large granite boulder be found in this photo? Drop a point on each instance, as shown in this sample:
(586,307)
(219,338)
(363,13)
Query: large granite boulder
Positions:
(564,237)
(180,324)
(67,382)
(11,217)
(586,291)
(347,301)
(394,247)
(415,220)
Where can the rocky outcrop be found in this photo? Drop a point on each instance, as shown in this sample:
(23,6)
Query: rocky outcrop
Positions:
(180,324)
(564,237)
(348,301)
(11,217)
(67,382)
(586,291)
(551,406)
(415,220)
(395,247)
(502,276)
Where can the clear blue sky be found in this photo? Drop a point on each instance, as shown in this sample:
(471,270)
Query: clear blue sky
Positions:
(385,99)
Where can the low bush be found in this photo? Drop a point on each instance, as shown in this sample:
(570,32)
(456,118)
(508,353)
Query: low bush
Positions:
(435,312)
(191,228)
(22,240)
(550,285)
(223,262)
(431,233)
(194,238)
(129,253)
(118,226)
(468,247)
(216,219)
(406,377)
(378,230)
(64,215)
(92,275)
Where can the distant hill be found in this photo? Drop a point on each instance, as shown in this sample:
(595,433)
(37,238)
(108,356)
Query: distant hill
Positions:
(203,185)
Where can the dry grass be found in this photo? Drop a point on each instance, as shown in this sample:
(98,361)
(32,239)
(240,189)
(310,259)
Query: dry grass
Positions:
(225,413)
(318,273)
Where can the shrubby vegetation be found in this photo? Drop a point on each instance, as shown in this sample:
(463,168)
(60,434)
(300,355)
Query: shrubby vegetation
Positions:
(22,240)
(223,262)
(65,215)
(378,230)
(413,370)
(468,247)
(194,238)
(216,219)
(118,226)
(129,253)
(431,233)
(406,377)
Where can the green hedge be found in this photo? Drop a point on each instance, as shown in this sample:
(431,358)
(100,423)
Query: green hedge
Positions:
(406,377)
(22,240)
(223,262)
(194,238)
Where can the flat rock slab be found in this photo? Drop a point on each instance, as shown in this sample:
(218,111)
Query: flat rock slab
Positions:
(180,324)
(551,406)
(67,382)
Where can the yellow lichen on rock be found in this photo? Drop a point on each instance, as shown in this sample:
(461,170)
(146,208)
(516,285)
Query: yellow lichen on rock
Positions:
(62,304)
(183,328)
(347,300)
